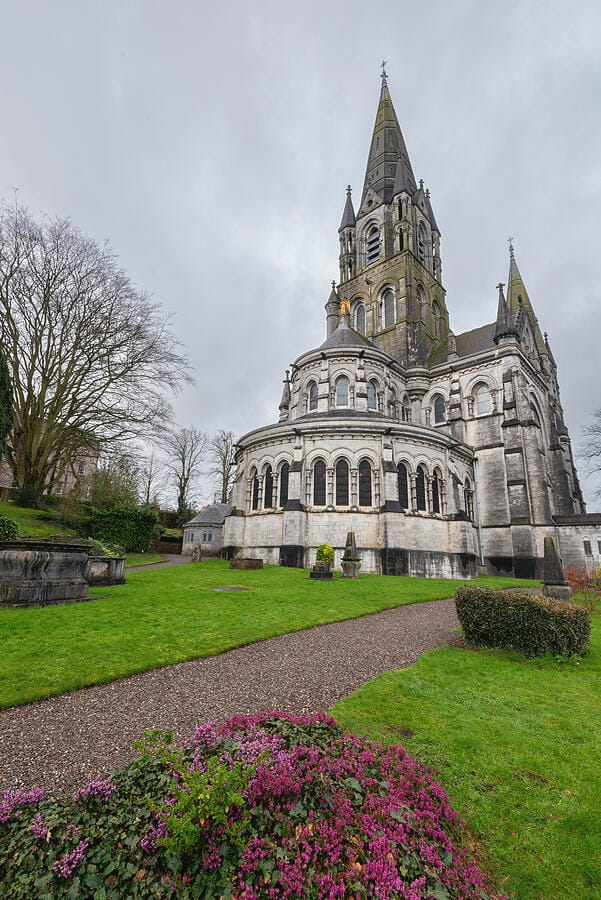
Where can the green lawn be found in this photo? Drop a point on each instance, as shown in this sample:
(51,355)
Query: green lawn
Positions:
(517,745)
(34,522)
(171,614)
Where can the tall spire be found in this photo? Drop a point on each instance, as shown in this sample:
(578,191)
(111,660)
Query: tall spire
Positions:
(517,298)
(387,154)
(348,216)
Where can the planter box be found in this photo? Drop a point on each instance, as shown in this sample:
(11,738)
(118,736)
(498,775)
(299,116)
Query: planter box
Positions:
(36,573)
(103,570)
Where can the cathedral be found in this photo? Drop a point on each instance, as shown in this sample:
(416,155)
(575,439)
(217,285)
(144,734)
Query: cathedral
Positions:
(446,454)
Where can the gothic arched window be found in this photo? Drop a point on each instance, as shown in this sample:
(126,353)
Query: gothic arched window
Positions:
(421,301)
(268,489)
(255,489)
(387,308)
(372,395)
(360,318)
(403,486)
(342,391)
(482,400)
(372,245)
(284,480)
(468,499)
(319,483)
(422,239)
(312,395)
(439,410)
(420,489)
(400,239)
(342,492)
(436,491)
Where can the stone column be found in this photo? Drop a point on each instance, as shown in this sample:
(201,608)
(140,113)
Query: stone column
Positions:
(429,498)
(274,493)
(260,503)
(330,486)
(376,489)
(412,491)
(354,488)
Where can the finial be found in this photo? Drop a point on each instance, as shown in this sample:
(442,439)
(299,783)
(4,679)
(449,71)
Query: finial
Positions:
(383,76)
(500,287)
(287,374)
(546,336)
(421,184)
(348,189)
(510,241)
(333,285)
(428,193)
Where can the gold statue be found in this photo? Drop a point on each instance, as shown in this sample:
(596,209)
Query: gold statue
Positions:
(345,306)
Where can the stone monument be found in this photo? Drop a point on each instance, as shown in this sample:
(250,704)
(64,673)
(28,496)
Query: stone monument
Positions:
(554,580)
(351,561)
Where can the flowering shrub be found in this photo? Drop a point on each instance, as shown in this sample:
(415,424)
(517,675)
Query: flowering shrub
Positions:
(587,583)
(270,806)
(325,554)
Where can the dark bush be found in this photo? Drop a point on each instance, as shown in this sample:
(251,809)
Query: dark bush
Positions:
(130,527)
(522,621)
(27,496)
(9,530)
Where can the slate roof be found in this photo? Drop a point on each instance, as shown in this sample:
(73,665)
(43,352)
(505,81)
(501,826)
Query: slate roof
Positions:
(214,514)
(476,340)
(345,337)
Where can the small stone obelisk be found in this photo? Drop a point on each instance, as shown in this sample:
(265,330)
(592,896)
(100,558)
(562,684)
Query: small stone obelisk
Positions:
(554,580)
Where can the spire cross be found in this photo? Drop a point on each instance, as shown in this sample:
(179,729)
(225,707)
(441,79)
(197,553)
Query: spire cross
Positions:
(348,189)
(383,76)
(500,286)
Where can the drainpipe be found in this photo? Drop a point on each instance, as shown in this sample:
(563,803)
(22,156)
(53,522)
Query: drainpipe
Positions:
(478,513)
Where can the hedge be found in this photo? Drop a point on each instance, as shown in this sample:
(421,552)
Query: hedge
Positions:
(130,527)
(520,620)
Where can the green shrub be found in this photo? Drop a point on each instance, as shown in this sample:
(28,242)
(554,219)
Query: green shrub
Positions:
(129,527)
(521,621)
(9,530)
(325,554)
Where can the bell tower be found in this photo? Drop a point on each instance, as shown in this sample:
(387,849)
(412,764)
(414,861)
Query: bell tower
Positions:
(390,264)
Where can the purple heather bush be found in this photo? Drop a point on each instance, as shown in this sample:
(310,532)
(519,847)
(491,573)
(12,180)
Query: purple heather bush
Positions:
(271,806)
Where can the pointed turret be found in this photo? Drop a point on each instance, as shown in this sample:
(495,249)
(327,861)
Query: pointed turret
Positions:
(505,327)
(518,300)
(332,310)
(285,401)
(348,216)
(388,157)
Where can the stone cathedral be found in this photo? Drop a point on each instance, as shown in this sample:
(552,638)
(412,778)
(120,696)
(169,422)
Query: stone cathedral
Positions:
(446,454)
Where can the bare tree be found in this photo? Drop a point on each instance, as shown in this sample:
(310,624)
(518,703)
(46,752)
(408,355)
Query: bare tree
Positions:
(185,449)
(115,480)
(89,354)
(152,470)
(591,446)
(222,451)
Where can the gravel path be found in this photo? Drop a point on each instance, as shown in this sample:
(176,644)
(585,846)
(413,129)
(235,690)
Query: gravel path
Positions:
(60,743)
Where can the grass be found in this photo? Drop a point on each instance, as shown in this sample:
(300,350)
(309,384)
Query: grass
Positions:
(168,615)
(34,522)
(517,745)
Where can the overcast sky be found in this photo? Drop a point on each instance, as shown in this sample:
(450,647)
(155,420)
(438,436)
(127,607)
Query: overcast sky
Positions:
(211,143)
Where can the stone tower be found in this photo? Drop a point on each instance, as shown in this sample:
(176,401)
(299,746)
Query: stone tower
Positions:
(390,264)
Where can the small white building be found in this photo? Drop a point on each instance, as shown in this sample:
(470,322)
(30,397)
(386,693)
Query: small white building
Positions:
(206,530)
